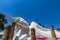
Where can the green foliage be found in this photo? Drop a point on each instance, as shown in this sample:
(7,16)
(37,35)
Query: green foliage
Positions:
(58,29)
(42,25)
(3,21)
(1,36)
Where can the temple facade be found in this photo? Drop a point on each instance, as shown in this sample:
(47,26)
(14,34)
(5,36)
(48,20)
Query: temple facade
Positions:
(34,31)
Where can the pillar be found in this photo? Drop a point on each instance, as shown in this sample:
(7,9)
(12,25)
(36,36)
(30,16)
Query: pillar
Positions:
(33,37)
(12,31)
(6,33)
(53,33)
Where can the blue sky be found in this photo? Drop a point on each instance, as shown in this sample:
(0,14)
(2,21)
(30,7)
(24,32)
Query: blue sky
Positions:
(46,12)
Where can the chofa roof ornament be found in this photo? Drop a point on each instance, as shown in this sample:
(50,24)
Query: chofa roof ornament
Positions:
(18,20)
